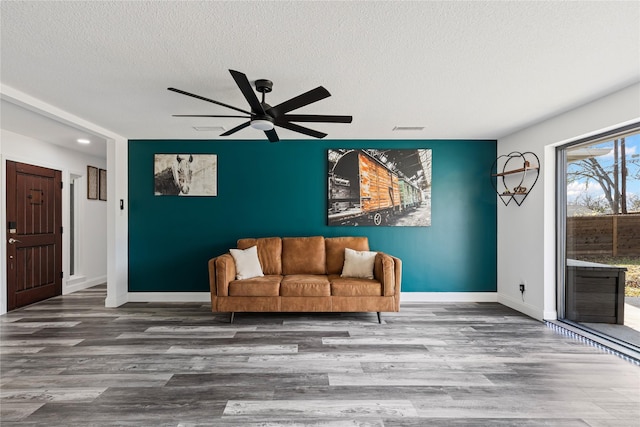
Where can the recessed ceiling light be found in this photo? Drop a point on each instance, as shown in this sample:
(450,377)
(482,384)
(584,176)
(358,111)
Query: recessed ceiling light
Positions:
(83,141)
(397,128)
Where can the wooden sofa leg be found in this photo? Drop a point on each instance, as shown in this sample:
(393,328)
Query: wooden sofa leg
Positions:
(379,318)
(232,316)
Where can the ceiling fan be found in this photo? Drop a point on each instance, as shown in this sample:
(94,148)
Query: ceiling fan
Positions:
(264,117)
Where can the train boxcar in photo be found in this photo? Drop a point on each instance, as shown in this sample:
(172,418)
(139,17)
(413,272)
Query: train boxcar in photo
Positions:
(376,187)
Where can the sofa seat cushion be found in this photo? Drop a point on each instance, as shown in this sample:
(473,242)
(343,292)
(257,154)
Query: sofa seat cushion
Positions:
(266,286)
(352,287)
(305,285)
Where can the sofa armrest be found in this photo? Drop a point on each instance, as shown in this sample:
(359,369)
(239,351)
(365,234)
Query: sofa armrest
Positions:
(212,275)
(397,268)
(384,271)
(222,270)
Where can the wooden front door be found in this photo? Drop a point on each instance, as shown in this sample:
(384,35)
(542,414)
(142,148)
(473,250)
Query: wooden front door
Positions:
(34,234)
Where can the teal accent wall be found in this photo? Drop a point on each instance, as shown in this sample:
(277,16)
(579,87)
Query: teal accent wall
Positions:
(280,189)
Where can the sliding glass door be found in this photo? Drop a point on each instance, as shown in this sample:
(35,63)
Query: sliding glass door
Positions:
(599,237)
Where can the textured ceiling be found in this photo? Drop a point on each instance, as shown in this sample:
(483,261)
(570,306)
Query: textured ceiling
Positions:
(477,70)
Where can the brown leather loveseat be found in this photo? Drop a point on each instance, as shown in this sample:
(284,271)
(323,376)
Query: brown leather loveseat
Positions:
(305,274)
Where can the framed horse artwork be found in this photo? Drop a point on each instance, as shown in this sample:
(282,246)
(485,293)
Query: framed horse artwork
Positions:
(185,174)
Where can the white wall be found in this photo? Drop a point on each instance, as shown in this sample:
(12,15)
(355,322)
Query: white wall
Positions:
(117,222)
(92,239)
(526,234)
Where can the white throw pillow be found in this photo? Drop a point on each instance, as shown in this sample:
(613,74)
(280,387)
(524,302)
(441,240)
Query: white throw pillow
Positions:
(247,263)
(358,264)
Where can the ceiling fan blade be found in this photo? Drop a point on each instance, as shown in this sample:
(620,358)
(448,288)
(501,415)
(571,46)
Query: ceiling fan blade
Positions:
(236,129)
(247,91)
(301,129)
(272,135)
(207,115)
(316,118)
(301,100)
(193,95)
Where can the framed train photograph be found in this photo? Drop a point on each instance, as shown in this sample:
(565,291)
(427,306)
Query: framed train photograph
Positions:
(379,187)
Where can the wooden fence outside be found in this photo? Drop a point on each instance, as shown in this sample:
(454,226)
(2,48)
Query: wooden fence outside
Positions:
(614,235)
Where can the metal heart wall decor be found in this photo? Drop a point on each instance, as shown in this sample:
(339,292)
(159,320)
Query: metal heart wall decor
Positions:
(514,175)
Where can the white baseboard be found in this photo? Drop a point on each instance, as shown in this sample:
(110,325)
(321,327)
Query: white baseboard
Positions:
(409,297)
(80,283)
(405,297)
(520,306)
(115,301)
(169,297)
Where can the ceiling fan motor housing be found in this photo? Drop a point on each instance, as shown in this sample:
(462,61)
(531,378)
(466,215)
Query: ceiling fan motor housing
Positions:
(264,86)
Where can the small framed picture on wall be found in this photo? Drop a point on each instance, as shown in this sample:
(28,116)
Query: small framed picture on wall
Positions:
(185,174)
(103,184)
(92,183)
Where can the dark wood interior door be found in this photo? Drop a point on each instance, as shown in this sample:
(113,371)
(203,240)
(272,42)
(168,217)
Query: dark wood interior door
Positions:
(34,234)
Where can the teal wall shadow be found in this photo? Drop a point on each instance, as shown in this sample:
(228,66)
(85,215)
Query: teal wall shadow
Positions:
(280,189)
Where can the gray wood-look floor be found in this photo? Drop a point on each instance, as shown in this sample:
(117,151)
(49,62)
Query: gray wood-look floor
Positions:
(70,361)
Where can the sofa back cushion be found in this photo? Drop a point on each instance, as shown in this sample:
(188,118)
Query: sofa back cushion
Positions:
(269,253)
(335,247)
(303,255)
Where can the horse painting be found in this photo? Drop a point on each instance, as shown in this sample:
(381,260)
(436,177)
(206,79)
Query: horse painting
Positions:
(175,179)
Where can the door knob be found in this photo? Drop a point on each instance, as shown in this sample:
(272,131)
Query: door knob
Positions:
(12,240)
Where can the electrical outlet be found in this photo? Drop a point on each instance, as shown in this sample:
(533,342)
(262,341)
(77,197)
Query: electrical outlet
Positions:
(521,287)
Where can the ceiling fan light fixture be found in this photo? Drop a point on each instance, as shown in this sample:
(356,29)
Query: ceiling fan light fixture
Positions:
(262,124)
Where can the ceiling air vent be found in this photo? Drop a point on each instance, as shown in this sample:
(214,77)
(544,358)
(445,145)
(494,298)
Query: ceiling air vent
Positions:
(209,128)
(413,128)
